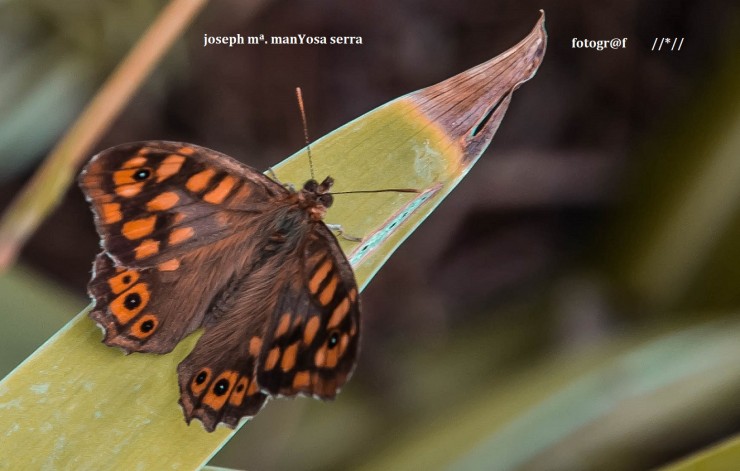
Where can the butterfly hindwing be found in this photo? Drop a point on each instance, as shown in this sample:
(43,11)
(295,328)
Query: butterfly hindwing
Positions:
(155,201)
(151,309)
(311,343)
(217,380)
(287,334)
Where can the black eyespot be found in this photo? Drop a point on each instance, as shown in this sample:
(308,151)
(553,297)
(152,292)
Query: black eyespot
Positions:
(201,378)
(127,279)
(333,339)
(132,301)
(240,388)
(147,325)
(220,388)
(142,174)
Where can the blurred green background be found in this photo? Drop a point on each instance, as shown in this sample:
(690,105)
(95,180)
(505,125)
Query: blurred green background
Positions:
(572,305)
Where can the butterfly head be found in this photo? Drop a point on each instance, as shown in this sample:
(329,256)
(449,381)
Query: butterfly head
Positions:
(316,197)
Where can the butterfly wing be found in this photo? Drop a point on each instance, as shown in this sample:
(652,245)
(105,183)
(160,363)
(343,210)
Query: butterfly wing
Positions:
(217,380)
(292,328)
(174,241)
(133,311)
(157,201)
(312,342)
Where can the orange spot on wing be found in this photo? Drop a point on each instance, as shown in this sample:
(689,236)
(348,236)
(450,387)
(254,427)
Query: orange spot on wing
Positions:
(123,280)
(339,312)
(185,150)
(283,325)
(139,228)
(319,276)
(332,357)
(200,180)
(126,176)
(243,192)
(272,358)
(136,162)
(253,387)
(301,380)
(180,235)
(178,218)
(196,388)
(222,190)
(169,265)
(163,201)
(128,191)
(119,306)
(353,294)
(320,357)
(289,356)
(111,212)
(215,401)
(255,345)
(328,293)
(147,248)
(169,166)
(312,326)
(139,331)
(239,391)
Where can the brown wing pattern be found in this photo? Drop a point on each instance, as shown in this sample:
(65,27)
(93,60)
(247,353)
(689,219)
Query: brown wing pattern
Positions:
(192,238)
(150,309)
(311,344)
(156,201)
(132,309)
(217,380)
(287,334)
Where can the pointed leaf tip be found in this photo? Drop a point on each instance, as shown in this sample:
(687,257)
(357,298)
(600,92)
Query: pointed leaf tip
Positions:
(468,108)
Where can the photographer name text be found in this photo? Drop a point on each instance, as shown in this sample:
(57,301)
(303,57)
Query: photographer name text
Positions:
(260,39)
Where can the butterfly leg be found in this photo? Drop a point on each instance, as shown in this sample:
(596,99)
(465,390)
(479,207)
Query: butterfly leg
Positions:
(340,233)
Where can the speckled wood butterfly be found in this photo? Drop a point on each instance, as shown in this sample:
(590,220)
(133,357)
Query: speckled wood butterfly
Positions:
(192,239)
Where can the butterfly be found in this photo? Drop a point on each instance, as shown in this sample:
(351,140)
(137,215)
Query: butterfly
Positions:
(191,239)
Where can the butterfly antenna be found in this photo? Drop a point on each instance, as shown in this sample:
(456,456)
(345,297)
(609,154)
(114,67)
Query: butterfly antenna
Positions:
(299,96)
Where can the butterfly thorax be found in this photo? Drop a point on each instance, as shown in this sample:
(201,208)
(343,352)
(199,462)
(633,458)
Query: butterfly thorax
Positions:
(315,198)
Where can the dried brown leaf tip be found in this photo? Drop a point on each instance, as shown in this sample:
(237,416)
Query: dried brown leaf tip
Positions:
(468,108)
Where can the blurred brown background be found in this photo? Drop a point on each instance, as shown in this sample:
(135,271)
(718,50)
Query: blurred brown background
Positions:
(586,232)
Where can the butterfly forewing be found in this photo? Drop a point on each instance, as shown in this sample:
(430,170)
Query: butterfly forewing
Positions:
(155,201)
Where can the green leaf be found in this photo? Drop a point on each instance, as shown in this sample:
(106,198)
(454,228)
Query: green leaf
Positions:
(76,401)
(593,409)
